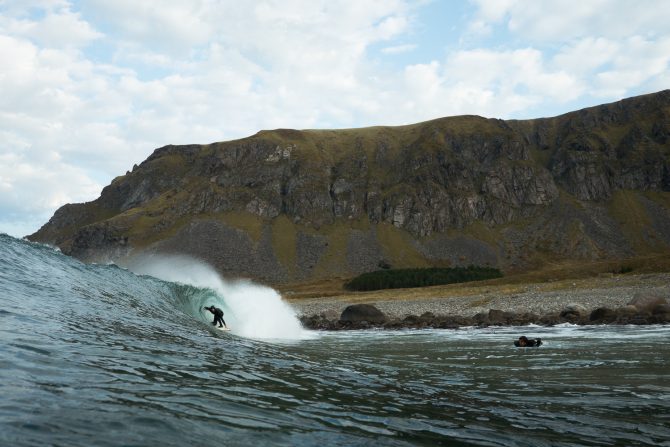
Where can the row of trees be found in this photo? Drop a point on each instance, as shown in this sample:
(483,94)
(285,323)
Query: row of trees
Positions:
(404,278)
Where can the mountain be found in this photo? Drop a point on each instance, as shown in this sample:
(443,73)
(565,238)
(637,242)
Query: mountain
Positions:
(297,205)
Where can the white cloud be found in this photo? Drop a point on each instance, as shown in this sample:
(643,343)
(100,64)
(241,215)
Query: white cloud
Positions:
(173,25)
(52,147)
(224,70)
(487,82)
(612,68)
(29,190)
(548,20)
(60,29)
(494,11)
(606,48)
(83,106)
(587,54)
(21,8)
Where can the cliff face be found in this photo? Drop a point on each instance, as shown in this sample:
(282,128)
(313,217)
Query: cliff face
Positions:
(290,205)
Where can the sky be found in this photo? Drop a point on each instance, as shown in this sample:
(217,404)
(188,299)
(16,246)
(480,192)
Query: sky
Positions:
(90,88)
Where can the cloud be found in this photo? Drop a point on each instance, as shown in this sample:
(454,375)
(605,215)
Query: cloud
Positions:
(173,26)
(640,60)
(587,54)
(60,29)
(23,8)
(605,48)
(615,67)
(53,144)
(486,82)
(29,191)
(74,115)
(546,20)
(81,107)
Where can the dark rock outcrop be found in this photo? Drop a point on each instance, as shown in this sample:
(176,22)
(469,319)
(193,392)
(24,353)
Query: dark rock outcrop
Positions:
(364,318)
(647,301)
(360,313)
(289,205)
(603,315)
(573,313)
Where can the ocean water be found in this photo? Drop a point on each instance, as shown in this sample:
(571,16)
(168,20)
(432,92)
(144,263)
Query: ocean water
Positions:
(99,355)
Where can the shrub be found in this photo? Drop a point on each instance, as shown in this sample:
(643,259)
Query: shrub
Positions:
(623,270)
(405,278)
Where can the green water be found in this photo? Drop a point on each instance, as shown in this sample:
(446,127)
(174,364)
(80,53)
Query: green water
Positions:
(95,355)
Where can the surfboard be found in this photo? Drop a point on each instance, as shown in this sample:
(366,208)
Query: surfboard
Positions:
(222,329)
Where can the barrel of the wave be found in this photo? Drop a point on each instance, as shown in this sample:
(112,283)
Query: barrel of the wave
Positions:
(255,311)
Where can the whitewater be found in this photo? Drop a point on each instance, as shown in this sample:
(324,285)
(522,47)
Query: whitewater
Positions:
(110,356)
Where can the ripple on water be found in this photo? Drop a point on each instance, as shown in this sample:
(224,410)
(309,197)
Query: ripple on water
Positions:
(121,361)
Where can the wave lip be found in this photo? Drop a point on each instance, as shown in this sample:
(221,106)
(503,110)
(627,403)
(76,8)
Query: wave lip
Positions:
(251,310)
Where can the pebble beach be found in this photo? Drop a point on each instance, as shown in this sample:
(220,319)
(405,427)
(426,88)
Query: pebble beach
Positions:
(541,298)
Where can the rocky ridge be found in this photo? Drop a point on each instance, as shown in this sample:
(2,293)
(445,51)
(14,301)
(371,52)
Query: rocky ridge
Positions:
(289,205)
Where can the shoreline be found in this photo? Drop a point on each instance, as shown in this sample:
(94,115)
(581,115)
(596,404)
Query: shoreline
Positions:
(485,304)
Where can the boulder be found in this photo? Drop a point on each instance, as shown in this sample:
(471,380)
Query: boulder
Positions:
(627,310)
(497,316)
(394,324)
(482,318)
(452,323)
(550,319)
(511,319)
(625,314)
(310,321)
(661,309)
(427,317)
(661,314)
(330,315)
(603,314)
(646,301)
(411,320)
(358,313)
(640,319)
(522,319)
(573,312)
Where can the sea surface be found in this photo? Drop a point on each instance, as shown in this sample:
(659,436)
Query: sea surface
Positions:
(107,356)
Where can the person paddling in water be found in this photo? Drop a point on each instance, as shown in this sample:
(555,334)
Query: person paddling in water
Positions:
(525,342)
(218,316)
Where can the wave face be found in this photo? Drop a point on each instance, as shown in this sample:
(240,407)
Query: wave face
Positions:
(99,355)
(252,310)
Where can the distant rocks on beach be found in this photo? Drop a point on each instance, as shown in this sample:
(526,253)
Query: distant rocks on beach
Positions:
(649,307)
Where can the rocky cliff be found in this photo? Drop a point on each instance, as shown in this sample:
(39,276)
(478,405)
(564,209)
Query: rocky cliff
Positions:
(288,205)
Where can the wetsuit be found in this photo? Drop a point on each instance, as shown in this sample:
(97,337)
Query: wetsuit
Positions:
(524,342)
(218,316)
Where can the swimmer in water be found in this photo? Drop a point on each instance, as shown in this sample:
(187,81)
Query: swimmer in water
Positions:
(525,342)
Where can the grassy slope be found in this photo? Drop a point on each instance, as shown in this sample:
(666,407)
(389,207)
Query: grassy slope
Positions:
(554,277)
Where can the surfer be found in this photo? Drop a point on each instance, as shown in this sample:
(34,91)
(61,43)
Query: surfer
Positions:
(218,316)
(524,341)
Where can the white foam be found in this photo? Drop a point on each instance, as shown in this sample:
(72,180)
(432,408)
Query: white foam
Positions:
(252,310)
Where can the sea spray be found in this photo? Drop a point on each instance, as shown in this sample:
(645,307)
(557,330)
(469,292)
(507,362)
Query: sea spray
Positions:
(251,310)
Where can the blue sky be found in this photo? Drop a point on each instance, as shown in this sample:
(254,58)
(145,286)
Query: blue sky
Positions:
(89,88)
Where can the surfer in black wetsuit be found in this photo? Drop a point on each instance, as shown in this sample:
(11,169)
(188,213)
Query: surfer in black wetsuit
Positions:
(218,316)
(524,342)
